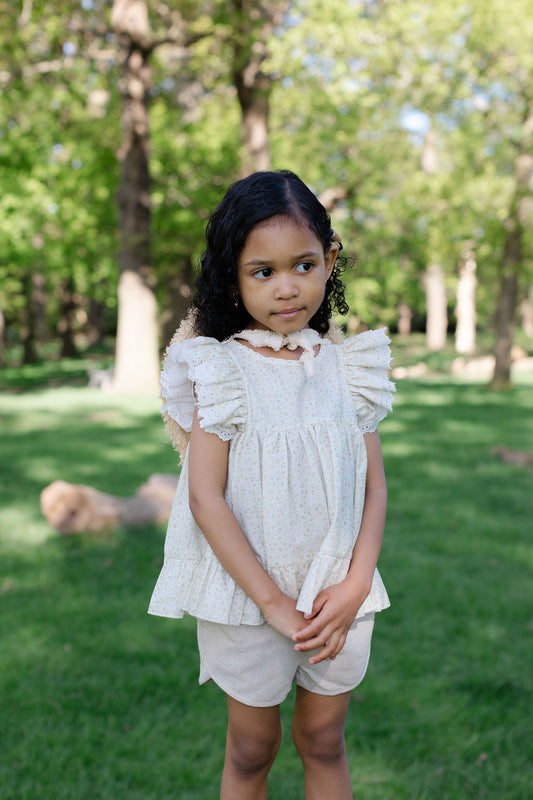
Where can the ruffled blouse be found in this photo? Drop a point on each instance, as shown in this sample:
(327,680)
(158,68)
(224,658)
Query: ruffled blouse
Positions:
(296,468)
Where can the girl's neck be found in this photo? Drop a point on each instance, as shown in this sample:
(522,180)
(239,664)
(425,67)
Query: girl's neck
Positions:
(268,352)
(273,344)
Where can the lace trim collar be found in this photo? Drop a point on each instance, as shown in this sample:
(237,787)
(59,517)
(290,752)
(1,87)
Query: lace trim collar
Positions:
(307,339)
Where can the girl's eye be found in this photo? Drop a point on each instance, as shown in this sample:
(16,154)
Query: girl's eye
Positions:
(264,272)
(304,266)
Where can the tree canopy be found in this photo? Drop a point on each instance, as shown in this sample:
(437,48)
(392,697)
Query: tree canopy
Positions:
(412,121)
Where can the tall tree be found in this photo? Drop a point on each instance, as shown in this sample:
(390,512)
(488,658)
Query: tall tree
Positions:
(137,347)
(513,253)
(497,71)
(252,25)
(350,89)
(436,305)
(465,306)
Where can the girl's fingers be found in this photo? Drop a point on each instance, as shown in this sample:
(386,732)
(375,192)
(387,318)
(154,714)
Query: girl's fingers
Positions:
(315,642)
(315,636)
(317,606)
(311,631)
(329,646)
(327,652)
(340,645)
(319,625)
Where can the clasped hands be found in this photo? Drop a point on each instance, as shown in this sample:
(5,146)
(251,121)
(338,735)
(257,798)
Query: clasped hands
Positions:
(326,627)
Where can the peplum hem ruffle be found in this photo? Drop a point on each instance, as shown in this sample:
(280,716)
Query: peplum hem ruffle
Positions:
(185,587)
(327,570)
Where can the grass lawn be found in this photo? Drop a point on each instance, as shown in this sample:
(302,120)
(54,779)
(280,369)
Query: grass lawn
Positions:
(99,701)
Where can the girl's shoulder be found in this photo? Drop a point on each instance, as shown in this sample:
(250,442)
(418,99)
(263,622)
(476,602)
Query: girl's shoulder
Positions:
(188,343)
(201,372)
(195,350)
(367,360)
(370,348)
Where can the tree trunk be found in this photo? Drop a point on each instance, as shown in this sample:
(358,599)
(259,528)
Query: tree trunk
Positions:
(65,327)
(95,322)
(252,90)
(506,310)
(526,311)
(437,320)
(2,338)
(29,352)
(465,307)
(39,302)
(253,26)
(511,263)
(180,290)
(436,308)
(404,319)
(137,352)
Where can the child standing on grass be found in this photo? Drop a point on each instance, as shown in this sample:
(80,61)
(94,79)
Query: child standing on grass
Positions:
(278,519)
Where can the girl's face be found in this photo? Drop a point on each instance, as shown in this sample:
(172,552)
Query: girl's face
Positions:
(282,275)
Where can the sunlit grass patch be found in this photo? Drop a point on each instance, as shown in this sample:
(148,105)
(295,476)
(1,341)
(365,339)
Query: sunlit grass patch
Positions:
(100,700)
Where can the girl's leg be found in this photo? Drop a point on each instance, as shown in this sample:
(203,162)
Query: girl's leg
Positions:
(252,742)
(318,733)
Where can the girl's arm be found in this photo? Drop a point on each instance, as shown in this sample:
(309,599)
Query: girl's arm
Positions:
(208,470)
(336,607)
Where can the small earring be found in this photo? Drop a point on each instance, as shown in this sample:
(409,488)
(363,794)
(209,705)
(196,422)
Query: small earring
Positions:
(336,239)
(235,300)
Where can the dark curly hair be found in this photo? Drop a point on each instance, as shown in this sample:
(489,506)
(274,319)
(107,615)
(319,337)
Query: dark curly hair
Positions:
(247,203)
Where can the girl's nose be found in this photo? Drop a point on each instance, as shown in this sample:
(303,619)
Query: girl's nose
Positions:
(286,288)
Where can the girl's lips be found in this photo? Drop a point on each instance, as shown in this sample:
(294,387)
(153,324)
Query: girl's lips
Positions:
(287,312)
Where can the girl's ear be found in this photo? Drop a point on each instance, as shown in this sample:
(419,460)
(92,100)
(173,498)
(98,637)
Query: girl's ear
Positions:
(331,257)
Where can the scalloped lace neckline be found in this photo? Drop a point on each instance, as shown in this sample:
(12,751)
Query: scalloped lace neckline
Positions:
(307,339)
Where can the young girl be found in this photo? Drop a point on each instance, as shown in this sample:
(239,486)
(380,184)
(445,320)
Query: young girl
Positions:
(278,519)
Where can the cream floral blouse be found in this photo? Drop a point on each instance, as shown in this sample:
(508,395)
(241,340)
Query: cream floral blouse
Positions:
(296,470)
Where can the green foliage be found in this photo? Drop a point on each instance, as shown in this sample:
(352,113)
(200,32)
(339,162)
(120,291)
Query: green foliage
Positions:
(98,699)
(356,87)
(361,84)
(60,133)
(191,168)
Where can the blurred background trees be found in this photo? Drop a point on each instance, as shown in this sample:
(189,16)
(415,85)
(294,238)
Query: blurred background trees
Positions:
(121,125)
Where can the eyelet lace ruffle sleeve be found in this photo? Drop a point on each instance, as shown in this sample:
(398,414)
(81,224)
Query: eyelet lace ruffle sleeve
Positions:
(366,359)
(202,367)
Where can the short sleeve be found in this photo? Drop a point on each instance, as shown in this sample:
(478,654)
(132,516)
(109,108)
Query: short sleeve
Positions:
(366,360)
(201,372)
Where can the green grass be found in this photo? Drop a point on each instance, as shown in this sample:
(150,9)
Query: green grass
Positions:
(99,700)
(51,372)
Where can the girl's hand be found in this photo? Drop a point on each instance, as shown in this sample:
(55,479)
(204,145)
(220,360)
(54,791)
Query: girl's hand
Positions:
(283,616)
(336,607)
(334,611)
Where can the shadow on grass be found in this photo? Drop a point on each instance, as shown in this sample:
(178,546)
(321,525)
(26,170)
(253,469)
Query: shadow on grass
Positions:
(83,437)
(102,700)
(53,372)
(449,680)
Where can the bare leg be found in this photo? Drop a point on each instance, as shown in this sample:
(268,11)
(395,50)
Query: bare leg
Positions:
(252,742)
(318,733)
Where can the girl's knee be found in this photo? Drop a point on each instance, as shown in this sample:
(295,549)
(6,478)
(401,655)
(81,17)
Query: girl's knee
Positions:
(319,743)
(251,754)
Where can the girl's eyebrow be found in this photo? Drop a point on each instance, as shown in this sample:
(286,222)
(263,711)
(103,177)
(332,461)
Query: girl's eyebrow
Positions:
(256,262)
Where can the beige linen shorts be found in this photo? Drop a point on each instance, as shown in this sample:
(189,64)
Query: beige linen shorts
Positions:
(257,666)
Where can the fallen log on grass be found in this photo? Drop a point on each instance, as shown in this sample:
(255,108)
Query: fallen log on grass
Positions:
(74,508)
(518,457)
